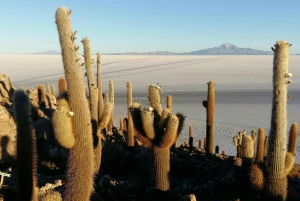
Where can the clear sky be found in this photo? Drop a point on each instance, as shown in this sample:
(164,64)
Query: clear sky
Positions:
(28,26)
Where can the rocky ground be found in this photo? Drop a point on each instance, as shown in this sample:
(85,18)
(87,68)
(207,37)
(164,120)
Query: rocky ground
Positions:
(127,174)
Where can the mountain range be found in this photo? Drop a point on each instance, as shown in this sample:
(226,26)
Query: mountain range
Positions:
(224,49)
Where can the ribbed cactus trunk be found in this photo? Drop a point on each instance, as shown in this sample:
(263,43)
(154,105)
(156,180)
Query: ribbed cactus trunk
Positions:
(26,150)
(210,119)
(79,174)
(97,138)
(276,188)
(162,168)
(130,127)
(260,145)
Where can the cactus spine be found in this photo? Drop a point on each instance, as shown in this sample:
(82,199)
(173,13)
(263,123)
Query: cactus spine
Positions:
(79,174)
(276,188)
(210,107)
(26,150)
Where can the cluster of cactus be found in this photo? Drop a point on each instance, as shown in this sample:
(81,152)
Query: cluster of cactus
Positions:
(158,129)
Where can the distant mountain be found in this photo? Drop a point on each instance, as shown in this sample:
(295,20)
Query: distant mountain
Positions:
(229,49)
(224,49)
(48,52)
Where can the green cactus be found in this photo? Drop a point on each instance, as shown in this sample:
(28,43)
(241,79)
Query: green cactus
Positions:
(80,171)
(276,188)
(209,104)
(62,124)
(160,134)
(26,149)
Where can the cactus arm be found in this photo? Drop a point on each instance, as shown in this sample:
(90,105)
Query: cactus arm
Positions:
(62,85)
(132,117)
(62,124)
(163,119)
(170,134)
(155,99)
(169,103)
(146,117)
(293,138)
(99,84)
(106,116)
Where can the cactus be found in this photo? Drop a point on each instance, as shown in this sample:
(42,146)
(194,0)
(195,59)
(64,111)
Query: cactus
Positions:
(48,88)
(210,107)
(200,144)
(260,145)
(293,139)
(191,139)
(257,177)
(289,162)
(237,141)
(53,91)
(169,102)
(223,152)
(160,134)
(79,174)
(254,138)
(26,150)
(111,99)
(62,124)
(62,85)
(41,96)
(130,127)
(276,188)
(93,99)
(266,147)
(247,152)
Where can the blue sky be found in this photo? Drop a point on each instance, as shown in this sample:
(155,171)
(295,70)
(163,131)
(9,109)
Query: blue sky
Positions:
(28,26)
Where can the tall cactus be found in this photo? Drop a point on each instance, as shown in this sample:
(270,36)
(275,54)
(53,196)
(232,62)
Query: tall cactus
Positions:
(276,188)
(26,150)
(130,127)
(160,133)
(260,145)
(79,174)
(91,83)
(209,104)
